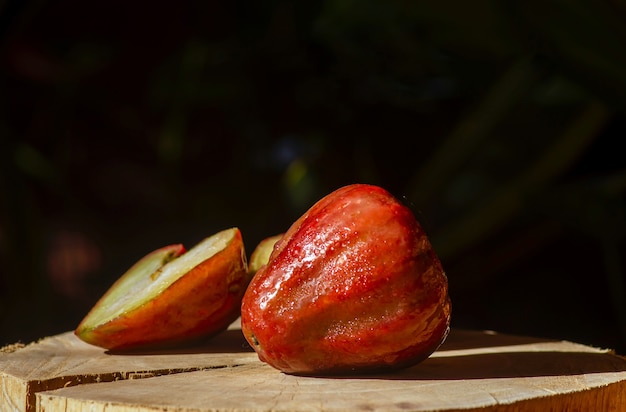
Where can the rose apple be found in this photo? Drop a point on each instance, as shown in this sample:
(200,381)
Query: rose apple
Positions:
(261,253)
(353,286)
(172,296)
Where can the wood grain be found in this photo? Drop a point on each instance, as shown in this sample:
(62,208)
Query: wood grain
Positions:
(64,360)
(472,371)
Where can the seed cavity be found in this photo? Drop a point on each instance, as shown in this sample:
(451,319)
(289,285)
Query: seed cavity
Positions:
(154,276)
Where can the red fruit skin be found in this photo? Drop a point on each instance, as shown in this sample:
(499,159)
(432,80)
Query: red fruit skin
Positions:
(354,286)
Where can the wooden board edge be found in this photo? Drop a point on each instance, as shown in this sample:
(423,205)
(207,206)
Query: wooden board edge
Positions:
(606,398)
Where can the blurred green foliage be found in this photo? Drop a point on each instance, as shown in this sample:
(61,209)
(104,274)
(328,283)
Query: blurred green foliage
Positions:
(126,127)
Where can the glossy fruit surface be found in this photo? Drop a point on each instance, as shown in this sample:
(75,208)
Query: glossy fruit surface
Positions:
(353,286)
(172,296)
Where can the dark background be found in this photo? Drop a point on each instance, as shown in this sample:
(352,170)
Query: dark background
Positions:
(127,127)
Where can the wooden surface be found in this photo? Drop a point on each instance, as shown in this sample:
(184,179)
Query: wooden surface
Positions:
(475,371)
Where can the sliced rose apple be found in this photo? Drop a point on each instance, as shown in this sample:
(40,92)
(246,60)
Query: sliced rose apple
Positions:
(172,296)
(261,253)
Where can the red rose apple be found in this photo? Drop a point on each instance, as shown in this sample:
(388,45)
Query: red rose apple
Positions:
(172,296)
(353,286)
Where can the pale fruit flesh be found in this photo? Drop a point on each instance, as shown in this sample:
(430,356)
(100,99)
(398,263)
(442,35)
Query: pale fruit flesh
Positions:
(261,254)
(138,281)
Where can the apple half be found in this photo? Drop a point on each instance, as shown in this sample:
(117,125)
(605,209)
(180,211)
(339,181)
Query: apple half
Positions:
(261,253)
(172,296)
